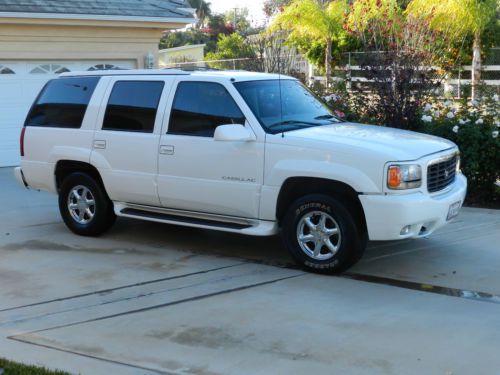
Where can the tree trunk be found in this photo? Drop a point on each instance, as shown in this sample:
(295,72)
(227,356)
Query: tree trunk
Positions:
(328,62)
(476,65)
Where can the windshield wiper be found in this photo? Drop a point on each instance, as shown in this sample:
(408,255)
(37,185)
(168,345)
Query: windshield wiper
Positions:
(293,123)
(328,117)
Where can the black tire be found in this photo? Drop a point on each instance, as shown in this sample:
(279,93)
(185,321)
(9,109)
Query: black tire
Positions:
(350,241)
(102,209)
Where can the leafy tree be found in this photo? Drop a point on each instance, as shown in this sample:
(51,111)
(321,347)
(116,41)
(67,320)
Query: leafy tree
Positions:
(459,19)
(273,56)
(231,46)
(217,25)
(239,19)
(174,39)
(202,10)
(272,7)
(374,22)
(398,55)
(315,19)
(313,49)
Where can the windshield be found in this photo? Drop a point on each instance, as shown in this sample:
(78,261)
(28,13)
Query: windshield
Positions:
(284,105)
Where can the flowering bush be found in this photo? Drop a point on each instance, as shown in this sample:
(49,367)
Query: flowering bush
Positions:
(474,126)
(339,100)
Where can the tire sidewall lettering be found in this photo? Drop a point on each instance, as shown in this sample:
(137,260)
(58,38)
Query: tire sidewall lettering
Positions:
(313,206)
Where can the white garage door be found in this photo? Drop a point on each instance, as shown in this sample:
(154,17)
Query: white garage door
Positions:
(20,83)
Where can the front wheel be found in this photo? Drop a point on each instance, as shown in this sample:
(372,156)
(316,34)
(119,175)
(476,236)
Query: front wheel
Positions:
(85,206)
(321,234)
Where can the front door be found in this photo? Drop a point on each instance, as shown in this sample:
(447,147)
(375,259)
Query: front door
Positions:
(197,173)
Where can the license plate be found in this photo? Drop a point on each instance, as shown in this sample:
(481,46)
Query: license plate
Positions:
(454,210)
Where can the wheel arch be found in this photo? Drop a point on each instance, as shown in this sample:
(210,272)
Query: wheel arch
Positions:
(294,188)
(64,168)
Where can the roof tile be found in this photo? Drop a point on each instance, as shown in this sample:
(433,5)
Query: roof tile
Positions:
(131,8)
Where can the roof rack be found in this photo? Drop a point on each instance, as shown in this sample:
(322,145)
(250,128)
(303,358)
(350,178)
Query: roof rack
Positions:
(134,72)
(193,68)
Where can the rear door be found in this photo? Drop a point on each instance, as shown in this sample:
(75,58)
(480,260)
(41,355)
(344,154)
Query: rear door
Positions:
(125,147)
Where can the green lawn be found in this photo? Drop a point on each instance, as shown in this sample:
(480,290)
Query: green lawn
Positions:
(12,368)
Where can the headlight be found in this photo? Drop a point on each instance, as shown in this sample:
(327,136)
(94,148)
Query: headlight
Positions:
(404,176)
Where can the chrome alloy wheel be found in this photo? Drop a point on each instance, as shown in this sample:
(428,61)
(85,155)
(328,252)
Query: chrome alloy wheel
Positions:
(319,235)
(81,204)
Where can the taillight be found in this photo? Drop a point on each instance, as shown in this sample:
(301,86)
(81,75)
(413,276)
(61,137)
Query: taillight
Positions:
(21,143)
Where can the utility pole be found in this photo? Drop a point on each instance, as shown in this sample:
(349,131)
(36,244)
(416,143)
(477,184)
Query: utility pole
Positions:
(235,17)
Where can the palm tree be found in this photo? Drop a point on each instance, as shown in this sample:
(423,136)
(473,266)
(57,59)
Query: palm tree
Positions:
(202,10)
(459,19)
(317,19)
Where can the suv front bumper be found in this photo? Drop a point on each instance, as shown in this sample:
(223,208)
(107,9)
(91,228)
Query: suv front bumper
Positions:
(387,215)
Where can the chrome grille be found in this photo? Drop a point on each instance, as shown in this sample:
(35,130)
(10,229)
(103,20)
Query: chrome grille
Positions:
(441,173)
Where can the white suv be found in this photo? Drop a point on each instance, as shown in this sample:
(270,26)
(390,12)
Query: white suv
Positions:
(241,152)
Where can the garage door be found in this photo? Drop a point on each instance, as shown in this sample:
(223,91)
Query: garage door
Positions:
(20,82)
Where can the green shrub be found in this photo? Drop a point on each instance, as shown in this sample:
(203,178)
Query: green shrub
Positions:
(474,127)
(13,368)
(338,99)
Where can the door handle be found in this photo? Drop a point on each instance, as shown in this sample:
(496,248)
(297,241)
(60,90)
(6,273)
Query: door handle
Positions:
(167,150)
(100,144)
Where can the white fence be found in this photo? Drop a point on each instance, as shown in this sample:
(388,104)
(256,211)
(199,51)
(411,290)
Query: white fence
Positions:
(350,71)
(292,64)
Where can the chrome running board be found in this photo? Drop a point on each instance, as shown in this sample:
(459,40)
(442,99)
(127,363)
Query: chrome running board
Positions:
(196,219)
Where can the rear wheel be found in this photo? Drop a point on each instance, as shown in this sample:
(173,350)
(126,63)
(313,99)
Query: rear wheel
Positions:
(321,234)
(85,206)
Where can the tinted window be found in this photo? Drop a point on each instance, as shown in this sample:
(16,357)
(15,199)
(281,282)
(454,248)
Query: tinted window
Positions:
(132,106)
(200,107)
(62,103)
(283,105)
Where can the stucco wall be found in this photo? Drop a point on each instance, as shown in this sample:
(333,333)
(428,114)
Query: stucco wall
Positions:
(65,42)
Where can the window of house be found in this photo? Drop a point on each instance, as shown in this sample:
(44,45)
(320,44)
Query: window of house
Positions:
(104,67)
(6,70)
(132,106)
(49,69)
(200,107)
(62,103)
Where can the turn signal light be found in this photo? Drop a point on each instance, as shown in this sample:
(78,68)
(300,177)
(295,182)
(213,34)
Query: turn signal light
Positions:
(404,176)
(394,177)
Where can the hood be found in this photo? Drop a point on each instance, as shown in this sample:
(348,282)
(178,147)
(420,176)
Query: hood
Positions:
(398,145)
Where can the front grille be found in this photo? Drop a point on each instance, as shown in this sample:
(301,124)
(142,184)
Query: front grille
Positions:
(441,174)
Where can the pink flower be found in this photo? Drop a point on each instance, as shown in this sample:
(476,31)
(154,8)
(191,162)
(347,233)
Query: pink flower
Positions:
(339,113)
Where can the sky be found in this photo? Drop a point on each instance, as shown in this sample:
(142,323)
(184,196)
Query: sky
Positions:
(254,6)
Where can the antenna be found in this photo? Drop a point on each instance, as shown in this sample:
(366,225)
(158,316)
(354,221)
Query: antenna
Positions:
(281,97)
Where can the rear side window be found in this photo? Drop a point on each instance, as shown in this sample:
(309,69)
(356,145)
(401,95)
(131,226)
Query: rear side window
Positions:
(132,106)
(200,107)
(62,103)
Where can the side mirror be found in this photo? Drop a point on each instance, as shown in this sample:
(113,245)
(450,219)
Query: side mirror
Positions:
(233,133)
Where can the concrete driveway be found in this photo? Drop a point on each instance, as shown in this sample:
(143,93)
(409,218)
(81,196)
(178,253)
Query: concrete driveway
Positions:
(149,298)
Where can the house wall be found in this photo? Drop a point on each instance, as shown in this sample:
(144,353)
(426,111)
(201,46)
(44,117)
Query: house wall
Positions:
(30,48)
(67,42)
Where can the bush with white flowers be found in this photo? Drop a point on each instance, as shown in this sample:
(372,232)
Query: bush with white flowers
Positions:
(474,127)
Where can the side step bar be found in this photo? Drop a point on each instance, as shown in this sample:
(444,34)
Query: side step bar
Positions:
(197,219)
(182,219)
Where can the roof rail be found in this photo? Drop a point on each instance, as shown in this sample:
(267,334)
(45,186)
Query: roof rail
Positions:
(132,72)
(192,68)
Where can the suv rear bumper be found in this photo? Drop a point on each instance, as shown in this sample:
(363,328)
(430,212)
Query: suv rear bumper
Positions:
(18,172)
(387,215)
